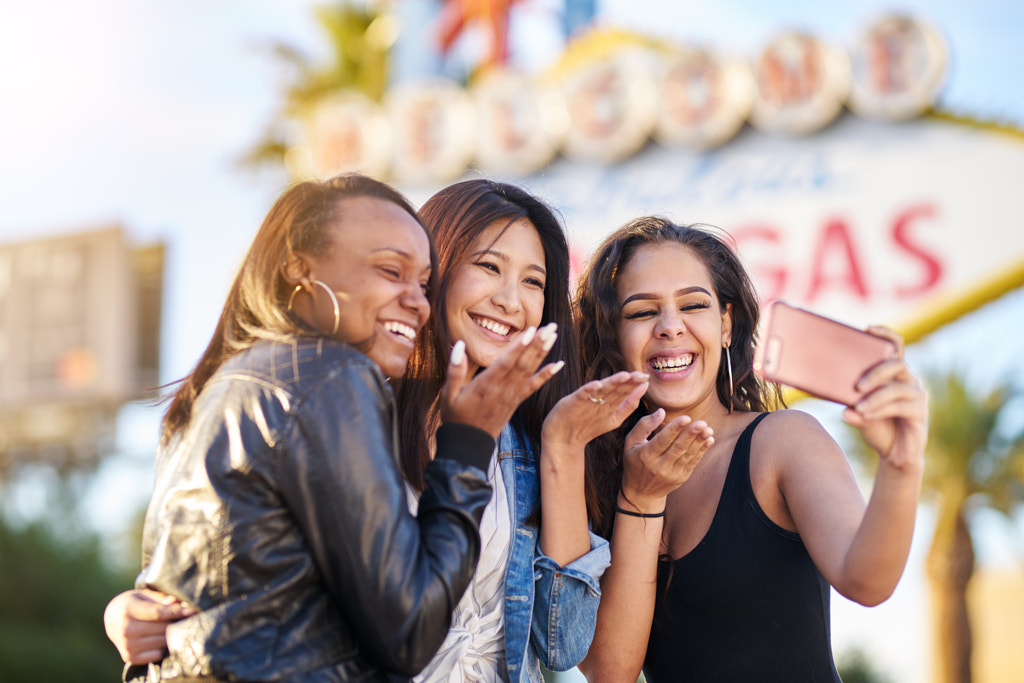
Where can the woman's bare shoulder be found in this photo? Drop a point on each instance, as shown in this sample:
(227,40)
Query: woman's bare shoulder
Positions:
(789,431)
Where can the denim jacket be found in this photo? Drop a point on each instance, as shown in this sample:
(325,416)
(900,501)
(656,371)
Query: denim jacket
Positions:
(550,611)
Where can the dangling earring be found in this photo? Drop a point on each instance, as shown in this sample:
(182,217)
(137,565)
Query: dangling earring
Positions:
(334,300)
(291,299)
(330,293)
(728,366)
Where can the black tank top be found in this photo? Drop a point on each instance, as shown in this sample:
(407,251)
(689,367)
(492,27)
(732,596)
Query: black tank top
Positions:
(747,604)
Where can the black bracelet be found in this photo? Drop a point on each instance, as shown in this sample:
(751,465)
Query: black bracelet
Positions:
(640,514)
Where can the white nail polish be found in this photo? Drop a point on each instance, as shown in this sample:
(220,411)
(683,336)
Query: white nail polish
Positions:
(528,335)
(549,340)
(458,352)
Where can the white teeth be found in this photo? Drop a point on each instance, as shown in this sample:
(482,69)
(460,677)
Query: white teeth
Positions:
(672,364)
(493,326)
(400,328)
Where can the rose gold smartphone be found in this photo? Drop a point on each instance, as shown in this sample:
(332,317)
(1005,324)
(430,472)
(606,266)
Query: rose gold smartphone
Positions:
(815,354)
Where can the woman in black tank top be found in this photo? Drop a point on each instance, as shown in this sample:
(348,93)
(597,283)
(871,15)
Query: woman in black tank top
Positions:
(728,524)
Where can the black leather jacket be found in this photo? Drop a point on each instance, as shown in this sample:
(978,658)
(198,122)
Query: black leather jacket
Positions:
(280,512)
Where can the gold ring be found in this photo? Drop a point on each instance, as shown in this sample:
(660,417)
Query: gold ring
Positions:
(594,399)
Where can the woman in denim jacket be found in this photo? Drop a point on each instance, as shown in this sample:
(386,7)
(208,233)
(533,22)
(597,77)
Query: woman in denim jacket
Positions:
(503,267)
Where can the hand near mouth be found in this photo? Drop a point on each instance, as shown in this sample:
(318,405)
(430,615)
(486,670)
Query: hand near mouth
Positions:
(593,409)
(655,466)
(492,396)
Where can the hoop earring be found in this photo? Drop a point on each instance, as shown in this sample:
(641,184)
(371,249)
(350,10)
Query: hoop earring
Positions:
(728,366)
(291,299)
(334,300)
(330,293)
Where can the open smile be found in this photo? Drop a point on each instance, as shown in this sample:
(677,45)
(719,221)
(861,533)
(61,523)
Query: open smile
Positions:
(493,326)
(671,363)
(401,330)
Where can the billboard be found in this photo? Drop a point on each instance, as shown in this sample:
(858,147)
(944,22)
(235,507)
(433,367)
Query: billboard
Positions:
(868,222)
(79,336)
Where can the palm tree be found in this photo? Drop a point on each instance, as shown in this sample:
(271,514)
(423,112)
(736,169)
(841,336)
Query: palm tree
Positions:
(971,461)
(359,37)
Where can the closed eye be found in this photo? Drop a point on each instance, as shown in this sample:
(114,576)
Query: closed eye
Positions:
(487,265)
(534,282)
(696,307)
(636,315)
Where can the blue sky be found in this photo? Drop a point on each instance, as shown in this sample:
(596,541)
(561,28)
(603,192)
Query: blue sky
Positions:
(133,113)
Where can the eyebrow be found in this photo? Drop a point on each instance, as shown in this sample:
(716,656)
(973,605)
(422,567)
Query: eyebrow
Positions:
(402,253)
(393,250)
(398,252)
(679,292)
(504,257)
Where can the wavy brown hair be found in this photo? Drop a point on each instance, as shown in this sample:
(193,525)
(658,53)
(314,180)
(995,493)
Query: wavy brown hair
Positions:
(256,307)
(598,312)
(456,215)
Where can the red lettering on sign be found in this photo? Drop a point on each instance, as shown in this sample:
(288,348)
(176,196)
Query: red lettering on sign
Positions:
(901,235)
(772,274)
(837,243)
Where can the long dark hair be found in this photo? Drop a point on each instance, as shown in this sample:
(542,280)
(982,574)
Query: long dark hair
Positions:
(456,216)
(256,307)
(598,312)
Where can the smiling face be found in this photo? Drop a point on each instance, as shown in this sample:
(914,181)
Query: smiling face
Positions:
(672,326)
(497,291)
(378,264)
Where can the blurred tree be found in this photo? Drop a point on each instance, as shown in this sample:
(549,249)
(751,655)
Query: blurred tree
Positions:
(971,462)
(53,589)
(855,667)
(359,37)
(974,458)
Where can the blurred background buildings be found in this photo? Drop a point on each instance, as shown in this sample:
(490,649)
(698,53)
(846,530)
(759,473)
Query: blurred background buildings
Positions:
(866,158)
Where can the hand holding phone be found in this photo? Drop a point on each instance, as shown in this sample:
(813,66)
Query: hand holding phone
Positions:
(817,355)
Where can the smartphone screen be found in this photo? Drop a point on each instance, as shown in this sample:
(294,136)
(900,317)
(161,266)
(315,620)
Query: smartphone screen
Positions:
(817,355)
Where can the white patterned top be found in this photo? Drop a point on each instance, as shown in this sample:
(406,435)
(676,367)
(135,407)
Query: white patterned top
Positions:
(474,649)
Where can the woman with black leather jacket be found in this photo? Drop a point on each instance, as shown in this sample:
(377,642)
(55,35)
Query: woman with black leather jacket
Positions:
(279,518)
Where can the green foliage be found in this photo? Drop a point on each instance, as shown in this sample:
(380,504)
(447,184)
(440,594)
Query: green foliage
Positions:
(52,594)
(855,667)
(359,38)
(973,451)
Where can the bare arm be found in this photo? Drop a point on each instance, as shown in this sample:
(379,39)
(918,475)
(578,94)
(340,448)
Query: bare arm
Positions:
(593,409)
(862,549)
(653,469)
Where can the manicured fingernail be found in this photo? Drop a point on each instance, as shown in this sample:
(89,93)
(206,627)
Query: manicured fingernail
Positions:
(458,352)
(555,367)
(548,334)
(528,335)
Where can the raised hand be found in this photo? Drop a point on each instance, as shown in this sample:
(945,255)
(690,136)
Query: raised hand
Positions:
(893,415)
(488,400)
(654,467)
(593,409)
